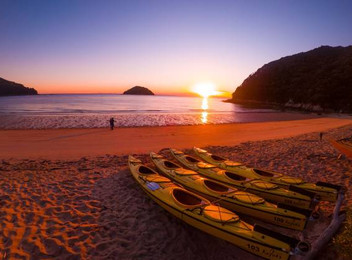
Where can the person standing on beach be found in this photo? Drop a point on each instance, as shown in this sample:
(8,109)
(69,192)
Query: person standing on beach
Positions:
(112,123)
(321,136)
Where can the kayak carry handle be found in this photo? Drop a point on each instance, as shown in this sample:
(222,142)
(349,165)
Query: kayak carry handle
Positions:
(293,242)
(305,212)
(312,195)
(329,185)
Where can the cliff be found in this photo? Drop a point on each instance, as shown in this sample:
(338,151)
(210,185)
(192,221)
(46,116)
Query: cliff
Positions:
(137,90)
(9,88)
(320,78)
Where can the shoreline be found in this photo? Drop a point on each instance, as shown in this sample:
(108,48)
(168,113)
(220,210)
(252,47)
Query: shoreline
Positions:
(77,143)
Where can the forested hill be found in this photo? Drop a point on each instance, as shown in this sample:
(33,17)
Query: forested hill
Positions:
(9,88)
(320,77)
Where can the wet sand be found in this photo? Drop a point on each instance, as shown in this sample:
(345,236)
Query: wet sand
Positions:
(89,207)
(76,143)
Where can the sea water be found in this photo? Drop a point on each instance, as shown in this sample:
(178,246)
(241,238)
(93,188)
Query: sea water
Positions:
(92,111)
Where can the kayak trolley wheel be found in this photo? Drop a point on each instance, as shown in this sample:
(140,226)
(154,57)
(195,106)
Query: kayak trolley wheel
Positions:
(303,248)
(315,215)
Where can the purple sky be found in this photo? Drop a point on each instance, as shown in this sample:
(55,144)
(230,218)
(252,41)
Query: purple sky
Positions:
(168,46)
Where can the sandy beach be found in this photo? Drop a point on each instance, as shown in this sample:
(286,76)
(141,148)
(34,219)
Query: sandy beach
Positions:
(76,143)
(67,193)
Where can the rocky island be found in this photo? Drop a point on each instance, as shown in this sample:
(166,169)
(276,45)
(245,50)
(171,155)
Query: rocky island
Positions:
(9,88)
(138,90)
(320,80)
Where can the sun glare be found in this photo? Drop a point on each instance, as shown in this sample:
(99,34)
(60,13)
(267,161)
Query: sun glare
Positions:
(205,89)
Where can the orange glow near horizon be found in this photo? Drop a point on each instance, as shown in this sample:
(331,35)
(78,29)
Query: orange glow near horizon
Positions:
(205,89)
(78,87)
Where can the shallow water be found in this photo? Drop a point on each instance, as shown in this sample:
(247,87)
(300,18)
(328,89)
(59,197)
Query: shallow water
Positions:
(91,111)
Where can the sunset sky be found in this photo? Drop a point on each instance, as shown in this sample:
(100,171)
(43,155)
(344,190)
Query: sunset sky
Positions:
(167,46)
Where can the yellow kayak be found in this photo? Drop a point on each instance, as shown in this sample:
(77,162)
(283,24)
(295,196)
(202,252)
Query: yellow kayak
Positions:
(266,190)
(344,146)
(212,219)
(325,191)
(230,197)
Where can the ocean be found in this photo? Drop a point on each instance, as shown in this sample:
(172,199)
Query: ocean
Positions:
(94,111)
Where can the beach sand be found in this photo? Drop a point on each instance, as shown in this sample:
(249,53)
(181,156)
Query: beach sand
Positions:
(67,194)
(76,143)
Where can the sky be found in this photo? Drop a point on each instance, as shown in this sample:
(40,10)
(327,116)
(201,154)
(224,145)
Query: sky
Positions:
(168,46)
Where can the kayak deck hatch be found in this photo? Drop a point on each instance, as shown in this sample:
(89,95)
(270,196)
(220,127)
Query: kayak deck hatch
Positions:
(264,185)
(204,165)
(248,198)
(219,214)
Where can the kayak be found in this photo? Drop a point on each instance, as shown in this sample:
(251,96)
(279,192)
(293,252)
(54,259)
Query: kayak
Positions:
(325,191)
(266,190)
(212,219)
(344,146)
(230,197)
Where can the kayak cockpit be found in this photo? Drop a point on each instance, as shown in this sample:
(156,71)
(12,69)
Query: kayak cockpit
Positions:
(170,165)
(145,170)
(217,158)
(216,187)
(234,176)
(191,159)
(187,199)
(266,173)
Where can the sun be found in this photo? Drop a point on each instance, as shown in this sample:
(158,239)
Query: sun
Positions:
(205,89)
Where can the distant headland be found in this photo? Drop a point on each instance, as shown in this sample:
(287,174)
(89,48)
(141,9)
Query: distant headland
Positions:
(138,90)
(317,80)
(9,88)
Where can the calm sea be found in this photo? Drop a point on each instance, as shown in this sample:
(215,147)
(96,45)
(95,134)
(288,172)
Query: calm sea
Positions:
(91,111)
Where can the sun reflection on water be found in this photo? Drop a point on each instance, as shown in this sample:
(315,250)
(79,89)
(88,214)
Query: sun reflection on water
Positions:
(204,117)
(205,103)
(205,107)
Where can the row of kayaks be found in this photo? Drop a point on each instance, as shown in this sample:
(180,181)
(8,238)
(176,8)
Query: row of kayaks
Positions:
(206,197)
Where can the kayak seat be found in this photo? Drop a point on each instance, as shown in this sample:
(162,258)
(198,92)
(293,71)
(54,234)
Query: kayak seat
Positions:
(219,214)
(264,185)
(186,199)
(191,159)
(183,171)
(291,180)
(248,198)
(234,176)
(170,165)
(217,158)
(204,165)
(216,187)
(145,170)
